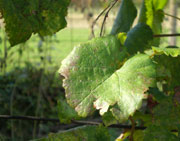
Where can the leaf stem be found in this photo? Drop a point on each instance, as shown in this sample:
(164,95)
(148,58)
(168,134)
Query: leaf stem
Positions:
(133,128)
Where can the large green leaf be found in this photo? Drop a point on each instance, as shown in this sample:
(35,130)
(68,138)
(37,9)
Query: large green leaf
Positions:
(87,67)
(24,17)
(125,87)
(85,133)
(99,83)
(134,41)
(125,18)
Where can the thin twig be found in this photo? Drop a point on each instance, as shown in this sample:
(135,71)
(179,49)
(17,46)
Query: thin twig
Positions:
(86,122)
(106,15)
(171,16)
(28,118)
(94,22)
(11,107)
(76,122)
(166,35)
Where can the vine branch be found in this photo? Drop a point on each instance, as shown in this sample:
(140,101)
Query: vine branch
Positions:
(166,35)
(77,122)
(106,15)
(171,15)
(94,22)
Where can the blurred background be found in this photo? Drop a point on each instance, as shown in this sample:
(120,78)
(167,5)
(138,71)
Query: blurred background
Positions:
(29,82)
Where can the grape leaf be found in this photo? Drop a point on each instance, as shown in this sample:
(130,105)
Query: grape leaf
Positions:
(84,133)
(168,64)
(135,42)
(108,119)
(65,112)
(101,83)
(23,18)
(125,18)
(152,15)
(125,87)
(174,52)
(86,67)
(159,4)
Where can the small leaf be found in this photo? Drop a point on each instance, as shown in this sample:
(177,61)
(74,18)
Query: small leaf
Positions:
(125,18)
(108,119)
(135,42)
(123,136)
(122,37)
(65,112)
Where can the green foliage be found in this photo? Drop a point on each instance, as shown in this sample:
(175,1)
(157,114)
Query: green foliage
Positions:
(66,113)
(135,42)
(125,18)
(20,95)
(158,133)
(168,51)
(23,18)
(152,15)
(106,78)
(132,80)
(112,74)
(90,133)
(168,64)
(80,67)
